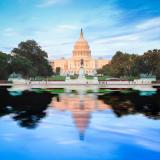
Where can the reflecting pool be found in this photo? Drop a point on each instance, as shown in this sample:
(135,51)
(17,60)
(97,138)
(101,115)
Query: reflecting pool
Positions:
(111,125)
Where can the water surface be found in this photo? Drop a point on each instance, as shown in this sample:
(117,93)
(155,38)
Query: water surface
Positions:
(118,125)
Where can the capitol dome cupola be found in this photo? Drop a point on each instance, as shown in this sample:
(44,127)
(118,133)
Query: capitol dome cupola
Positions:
(81,48)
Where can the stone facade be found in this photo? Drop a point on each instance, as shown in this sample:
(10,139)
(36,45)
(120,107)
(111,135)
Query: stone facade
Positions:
(81,51)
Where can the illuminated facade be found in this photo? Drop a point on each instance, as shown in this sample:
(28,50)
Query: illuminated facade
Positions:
(81,51)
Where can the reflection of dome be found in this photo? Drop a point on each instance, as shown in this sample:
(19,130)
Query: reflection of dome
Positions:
(81,119)
(81,109)
(81,48)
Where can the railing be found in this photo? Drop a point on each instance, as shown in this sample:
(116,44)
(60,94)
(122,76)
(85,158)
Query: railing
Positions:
(124,82)
(4,82)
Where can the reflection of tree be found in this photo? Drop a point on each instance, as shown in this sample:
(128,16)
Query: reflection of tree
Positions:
(132,103)
(27,109)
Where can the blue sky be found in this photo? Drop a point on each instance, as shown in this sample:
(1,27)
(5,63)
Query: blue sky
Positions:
(109,25)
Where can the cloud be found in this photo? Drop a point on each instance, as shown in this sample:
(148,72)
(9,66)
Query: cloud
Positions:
(10,32)
(104,43)
(118,130)
(106,16)
(123,38)
(149,24)
(150,144)
(107,26)
(66,27)
(9,136)
(67,142)
(48,3)
(135,38)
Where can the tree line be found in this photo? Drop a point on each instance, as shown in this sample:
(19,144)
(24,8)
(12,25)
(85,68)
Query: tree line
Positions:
(133,65)
(28,60)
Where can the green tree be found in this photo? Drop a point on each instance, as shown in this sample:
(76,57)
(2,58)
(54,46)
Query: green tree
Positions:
(120,65)
(149,62)
(21,65)
(38,58)
(4,65)
(157,71)
(105,70)
(124,64)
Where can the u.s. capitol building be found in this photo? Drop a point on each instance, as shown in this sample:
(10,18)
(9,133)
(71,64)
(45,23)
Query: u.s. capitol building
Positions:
(81,52)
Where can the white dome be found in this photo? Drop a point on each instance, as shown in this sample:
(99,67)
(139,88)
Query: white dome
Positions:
(81,48)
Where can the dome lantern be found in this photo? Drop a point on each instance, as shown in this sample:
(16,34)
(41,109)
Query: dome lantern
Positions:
(81,34)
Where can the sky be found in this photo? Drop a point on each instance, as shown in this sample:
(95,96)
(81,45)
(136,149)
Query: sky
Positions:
(131,26)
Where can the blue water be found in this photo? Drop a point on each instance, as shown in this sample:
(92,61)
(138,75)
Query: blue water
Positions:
(56,136)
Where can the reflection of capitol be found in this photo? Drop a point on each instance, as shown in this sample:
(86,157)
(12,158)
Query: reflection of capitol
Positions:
(81,107)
